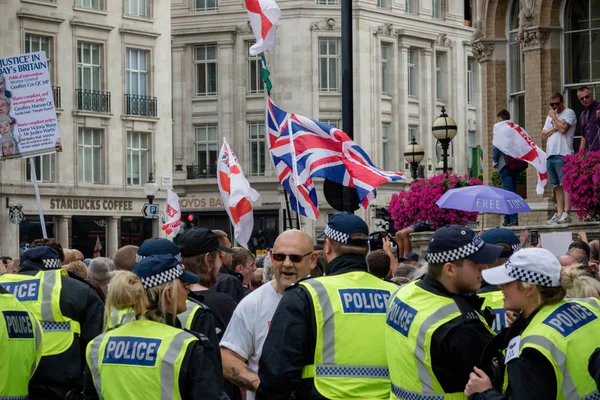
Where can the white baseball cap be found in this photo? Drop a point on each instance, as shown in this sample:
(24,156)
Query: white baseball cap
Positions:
(532,265)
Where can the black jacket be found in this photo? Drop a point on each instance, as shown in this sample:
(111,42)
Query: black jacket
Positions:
(200,376)
(530,376)
(290,344)
(230,283)
(594,367)
(57,375)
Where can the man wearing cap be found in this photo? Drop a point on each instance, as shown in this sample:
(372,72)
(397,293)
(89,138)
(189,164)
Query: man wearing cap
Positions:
(312,348)
(70,313)
(491,294)
(434,332)
(411,258)
(229,281)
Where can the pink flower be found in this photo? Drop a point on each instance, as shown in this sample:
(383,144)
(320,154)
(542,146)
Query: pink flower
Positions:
(582,182)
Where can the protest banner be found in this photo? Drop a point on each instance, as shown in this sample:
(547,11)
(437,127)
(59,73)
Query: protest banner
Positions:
(28,125)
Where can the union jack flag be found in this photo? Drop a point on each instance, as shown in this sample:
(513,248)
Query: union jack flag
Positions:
(313,149)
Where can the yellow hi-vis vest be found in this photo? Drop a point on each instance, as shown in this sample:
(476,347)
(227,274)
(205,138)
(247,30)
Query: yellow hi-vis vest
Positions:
(118,317)
(566,334)
(413,316)
(187,317)
(495,300)
(349,306)
(139,360)
(41,295)
(20,347)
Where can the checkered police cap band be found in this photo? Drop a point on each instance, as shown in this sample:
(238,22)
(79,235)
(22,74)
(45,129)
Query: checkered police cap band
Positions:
(525,275)
(455,254)
(163,277)
(52,263)
(336,235)
(139,257)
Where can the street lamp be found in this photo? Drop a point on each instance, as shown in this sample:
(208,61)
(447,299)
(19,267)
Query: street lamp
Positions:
(414,154)
(444,129)
(150,188)
(440,166)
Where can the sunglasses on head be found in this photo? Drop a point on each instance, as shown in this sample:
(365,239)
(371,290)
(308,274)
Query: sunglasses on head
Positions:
(555,104)
(587,96)
(295,258)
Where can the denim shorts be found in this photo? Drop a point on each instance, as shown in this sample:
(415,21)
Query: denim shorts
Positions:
(554,165)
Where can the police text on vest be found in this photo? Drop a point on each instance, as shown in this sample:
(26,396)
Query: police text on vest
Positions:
(569,317)
(18,324)
(367,301)
(24,290)
(400,316)
(131,350)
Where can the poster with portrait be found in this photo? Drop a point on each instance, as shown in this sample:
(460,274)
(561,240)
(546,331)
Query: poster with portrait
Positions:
(28,125)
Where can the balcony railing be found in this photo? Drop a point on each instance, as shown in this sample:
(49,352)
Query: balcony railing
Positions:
(201,171)
(140,105)
(56,94)
(93,100)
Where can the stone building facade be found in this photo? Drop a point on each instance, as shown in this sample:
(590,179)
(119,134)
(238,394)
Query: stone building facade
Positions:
(110,69)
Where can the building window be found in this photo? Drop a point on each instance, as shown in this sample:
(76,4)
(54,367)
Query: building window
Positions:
(470,65)
(440,76)
(35,43)
(136,72)
(137,8)
(256,138)
(329,65)
(89,154)
(516,68)
(336,123)
(385,146)
(437,9)
(382,4)
(205,69)
(205,5)
(137,158)
(412,73)
(582,42)
(44,168)
(327,2)
(255,82)
(413,133)
(385,57)
(89,66)
(95,4)
(411,7)
(207,146)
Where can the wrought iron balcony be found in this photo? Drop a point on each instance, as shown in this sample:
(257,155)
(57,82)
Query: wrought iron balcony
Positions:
(56,94)
(201,171)
(93,100)
(140,105)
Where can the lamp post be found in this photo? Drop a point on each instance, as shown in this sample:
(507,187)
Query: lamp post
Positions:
(440,166)
(150,188)
(444,129)
(414,154)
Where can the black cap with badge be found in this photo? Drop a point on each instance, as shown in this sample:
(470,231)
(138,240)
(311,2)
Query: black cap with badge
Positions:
(456,242)
(196,241)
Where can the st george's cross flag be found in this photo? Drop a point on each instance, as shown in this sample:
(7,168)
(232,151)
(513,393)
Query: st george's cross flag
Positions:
(173,222)
(97,247)
(512,140)
(263,16)
(236,193)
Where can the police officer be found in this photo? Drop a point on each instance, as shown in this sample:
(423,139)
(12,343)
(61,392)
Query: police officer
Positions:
(434,331)
(547,348)
(70,313)
(492,294)
(20,346)
(314,342)
(149,358)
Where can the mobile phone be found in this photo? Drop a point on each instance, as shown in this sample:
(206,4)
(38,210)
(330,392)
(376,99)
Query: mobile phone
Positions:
(535,238)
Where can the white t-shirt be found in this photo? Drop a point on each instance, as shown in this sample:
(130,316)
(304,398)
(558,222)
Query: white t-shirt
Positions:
(249,325)
(558,143)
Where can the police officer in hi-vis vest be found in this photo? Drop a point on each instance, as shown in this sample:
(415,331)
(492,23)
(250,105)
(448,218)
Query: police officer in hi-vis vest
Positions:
(547,348)
(150,358)
(435,333)
(492,294)
(326,338)
(20,346)
(70,313)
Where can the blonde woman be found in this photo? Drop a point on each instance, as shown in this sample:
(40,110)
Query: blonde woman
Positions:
(580,282)
(149,358)
(548,346)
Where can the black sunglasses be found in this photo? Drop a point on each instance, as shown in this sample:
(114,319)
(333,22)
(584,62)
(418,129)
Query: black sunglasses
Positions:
(555,104)
(295,258)
(587,96)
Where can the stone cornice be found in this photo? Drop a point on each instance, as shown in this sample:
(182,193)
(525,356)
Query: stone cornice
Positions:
(327,24)
(385,30)
(534,38)
(195,30)
(137,32)
(85,24)
(444,40)
(25,14)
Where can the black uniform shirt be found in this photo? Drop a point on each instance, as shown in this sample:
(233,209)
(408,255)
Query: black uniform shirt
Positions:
(230,283)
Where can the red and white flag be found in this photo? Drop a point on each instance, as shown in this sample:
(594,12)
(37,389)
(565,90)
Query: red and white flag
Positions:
(236,193)
(263,15)
(512,140)
(97,247)
(173,222)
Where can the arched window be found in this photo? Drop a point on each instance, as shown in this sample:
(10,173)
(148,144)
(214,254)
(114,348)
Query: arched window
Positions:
(515,67)
(581,55)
